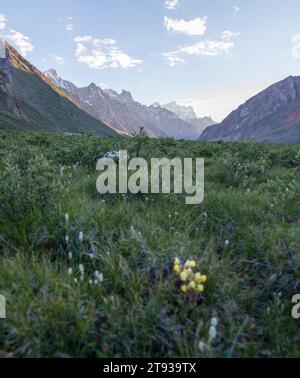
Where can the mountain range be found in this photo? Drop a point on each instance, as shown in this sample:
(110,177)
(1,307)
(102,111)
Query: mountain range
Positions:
(30,101)
(122,113)
(273,115)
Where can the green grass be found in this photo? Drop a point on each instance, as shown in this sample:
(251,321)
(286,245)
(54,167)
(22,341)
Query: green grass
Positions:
(138,310)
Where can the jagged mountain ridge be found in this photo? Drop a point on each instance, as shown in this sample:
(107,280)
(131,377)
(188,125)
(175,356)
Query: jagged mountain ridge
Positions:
(273,115)
(187,113)
(29,100)
(124,114)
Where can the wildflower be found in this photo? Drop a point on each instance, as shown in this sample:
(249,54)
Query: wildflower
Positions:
(199,289)
(176,261)
(190,264)
(67,218)
(70,255)
(202,346)
(214,322)
(96,282)
(81,269)
(70,271)
(212,333)
(199,278)
(75,281)
(227,243)
(177,268)
(91,282)
(80,236)
(99,276)
(184,288)
(67,239)
(183,276)
(192,285)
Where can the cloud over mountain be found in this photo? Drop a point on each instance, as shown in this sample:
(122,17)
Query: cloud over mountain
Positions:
(102,53)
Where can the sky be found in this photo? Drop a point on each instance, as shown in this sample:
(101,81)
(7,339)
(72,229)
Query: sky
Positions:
(211,54)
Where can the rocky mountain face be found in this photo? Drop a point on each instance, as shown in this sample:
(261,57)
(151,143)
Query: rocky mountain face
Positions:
(273,115)
(183,112)
(29,100)
(125,115)
(188,114)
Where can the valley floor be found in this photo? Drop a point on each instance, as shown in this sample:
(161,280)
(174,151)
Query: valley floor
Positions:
(245,237)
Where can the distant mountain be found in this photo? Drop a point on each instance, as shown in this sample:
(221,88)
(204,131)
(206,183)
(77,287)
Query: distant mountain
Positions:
(188,114)
(29,100)
(183,112)
(125,115)
(273,115)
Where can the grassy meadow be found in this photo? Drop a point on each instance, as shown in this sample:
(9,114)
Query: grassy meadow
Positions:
(90,275)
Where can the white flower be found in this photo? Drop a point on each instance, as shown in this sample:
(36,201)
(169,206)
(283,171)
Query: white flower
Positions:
(91,282)
(70,255)
(99,276)
(67,218)
(214,322)
(202,346)
(212,332)
(70,271)
(96,282)
(80,236)
(67,239)
(227,243)
(75,281)
(81,269)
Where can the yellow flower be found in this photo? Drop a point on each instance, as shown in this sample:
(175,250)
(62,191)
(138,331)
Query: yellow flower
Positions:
(176,261)
(200,288)
(188,272)
(192,285)
(199,278)
(183,276)
(177,269)
(184,288)
(190,264)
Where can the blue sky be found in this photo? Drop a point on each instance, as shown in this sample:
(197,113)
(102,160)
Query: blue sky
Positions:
(212,54)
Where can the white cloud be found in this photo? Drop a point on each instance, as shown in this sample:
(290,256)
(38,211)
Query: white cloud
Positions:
(3,22)
(171,4)
(102,53)
(193,27)
(208,48)
(59,59)
(236,9)
(173,58)
(202,48)
(70,27)
(22,42)
(227,35)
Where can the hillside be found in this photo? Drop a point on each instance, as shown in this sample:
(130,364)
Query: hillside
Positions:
(29,100)
(271,116)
